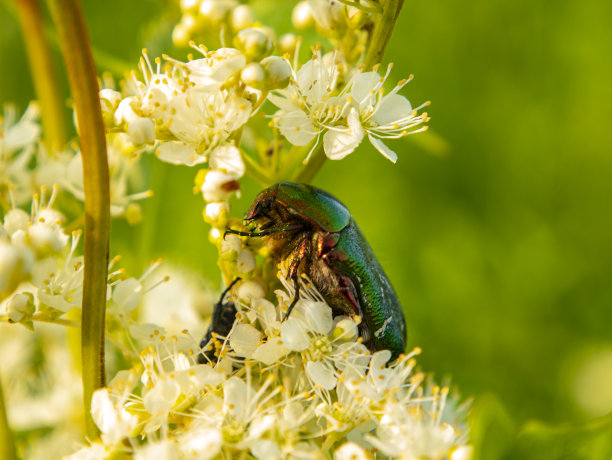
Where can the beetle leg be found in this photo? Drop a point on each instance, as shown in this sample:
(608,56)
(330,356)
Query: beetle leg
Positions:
(295,254)
(223,317)
(295,298)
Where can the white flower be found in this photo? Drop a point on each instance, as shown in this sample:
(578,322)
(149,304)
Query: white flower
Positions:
(384,116)
(15,266)
(113,420)
(313,104)
(210,72)
(309,104)
(202,122)
(60,288)
(218,186)
(123,171)
(351,451)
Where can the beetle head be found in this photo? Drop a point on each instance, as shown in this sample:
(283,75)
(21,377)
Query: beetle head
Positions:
(262,204)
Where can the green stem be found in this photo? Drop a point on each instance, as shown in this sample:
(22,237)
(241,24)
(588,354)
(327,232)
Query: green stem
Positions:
(43,74)
(7,444)
(254,170)
(383,28)
(74,43)
(310,170)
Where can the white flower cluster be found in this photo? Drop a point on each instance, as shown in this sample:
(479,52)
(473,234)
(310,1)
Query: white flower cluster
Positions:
(28,244)
(191,109)
(26,166)
(318,102)
(301,388)
(41,275)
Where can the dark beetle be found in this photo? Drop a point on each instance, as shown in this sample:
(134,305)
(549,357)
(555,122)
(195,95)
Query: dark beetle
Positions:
(313,233)
(223,316)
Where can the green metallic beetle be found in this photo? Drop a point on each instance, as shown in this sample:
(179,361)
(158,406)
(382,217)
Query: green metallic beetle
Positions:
(313,233)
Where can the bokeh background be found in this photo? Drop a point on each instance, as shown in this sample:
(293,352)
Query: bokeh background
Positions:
(496,230)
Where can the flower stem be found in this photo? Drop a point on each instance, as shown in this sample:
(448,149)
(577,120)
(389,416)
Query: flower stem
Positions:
(7,444)
(43,74)
(383,28)
(310,170)
(74,42)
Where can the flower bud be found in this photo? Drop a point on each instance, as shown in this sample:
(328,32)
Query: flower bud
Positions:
(254,42)
(287,43)
(218,186)
(250,290)
(46,239)
(301,16)
(189,5)
(215,11)
(214,235)
(253,75)
(277,72)
(16,219)
(20,306)
(15,267)
(183,31)
(346,329)
(141,131)
(245,264)
(216,213)
(109,101)
(241,17)
(231,245)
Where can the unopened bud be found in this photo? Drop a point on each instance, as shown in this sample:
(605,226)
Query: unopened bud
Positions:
(141,131)
(109,101)
(301,16)
(215,11)
(241,17)
(20,306)
(245,263)
(346,329)
(253,75)
(277,72)
(231,245)
(287,43)
(254,43)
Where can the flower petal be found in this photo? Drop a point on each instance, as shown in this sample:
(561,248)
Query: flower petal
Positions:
(179,153)
(340,143)
(383,149)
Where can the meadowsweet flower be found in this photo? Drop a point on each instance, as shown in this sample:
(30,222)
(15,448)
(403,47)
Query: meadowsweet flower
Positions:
(383,116)
(308,106)
(314,104)
(18,143)
(124,172)
(283,401)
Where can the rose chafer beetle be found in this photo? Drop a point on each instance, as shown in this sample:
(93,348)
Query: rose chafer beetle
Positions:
(314,234)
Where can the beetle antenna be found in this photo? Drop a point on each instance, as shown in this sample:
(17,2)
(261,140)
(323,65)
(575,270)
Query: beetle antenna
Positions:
(271,231)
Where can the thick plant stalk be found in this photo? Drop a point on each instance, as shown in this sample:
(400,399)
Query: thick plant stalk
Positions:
(383,28)
(76,51)
(44,74)
(7,444)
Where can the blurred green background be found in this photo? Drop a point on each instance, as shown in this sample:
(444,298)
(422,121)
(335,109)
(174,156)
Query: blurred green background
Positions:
(500,246)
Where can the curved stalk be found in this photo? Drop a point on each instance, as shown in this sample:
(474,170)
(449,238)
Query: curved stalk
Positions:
(7,444)
(383,28)
(44,75)
(76,51)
